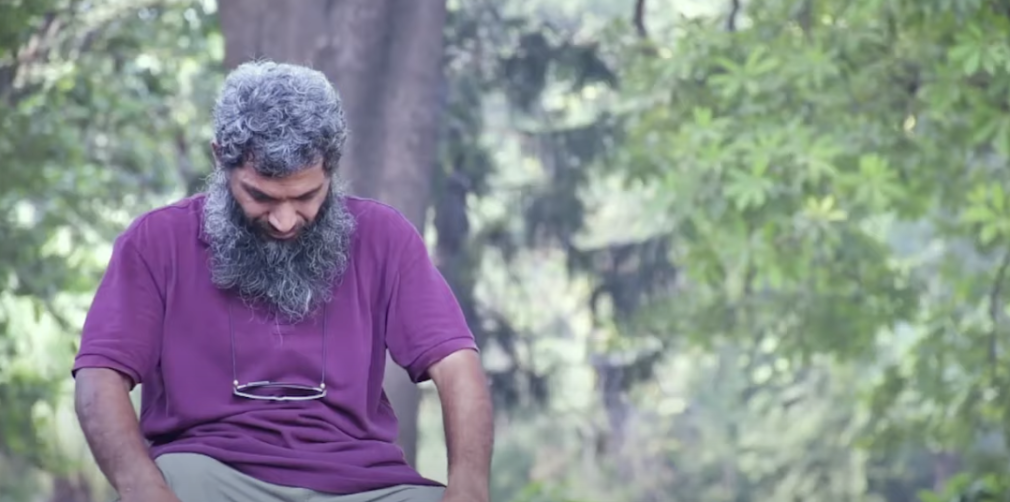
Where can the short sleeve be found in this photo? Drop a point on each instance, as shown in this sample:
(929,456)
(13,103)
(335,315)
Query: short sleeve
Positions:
(122,330)
(424,321)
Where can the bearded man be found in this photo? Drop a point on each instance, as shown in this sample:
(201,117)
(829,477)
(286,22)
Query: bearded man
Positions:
(257,316)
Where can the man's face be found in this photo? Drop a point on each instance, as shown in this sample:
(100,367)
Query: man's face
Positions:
(278,241)
(280,208)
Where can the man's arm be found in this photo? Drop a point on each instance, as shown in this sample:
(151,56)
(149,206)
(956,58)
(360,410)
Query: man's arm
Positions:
(469,424)
(102,402)
(427,334)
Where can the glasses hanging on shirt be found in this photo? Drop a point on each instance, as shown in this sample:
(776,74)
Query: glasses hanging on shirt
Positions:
(267,390)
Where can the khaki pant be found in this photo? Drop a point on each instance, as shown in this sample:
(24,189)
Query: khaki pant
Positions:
(199,478)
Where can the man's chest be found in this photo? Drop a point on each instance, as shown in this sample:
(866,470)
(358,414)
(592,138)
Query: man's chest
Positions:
(220,337)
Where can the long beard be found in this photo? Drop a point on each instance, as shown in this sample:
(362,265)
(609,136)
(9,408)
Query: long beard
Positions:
(292,277)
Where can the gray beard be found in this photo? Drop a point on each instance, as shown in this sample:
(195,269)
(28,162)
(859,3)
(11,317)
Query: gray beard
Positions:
(294,277)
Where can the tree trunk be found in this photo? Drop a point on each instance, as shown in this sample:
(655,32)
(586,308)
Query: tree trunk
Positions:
(385,59)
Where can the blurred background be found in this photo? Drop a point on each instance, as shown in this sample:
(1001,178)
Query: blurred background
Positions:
(713,250)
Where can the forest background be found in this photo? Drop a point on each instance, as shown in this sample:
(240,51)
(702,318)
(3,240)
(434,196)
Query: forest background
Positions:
(730,251)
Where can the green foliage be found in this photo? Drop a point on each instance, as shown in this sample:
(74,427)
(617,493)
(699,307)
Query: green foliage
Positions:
(523,60)
(964,488)
(795,289)
(102,110)
(835,175)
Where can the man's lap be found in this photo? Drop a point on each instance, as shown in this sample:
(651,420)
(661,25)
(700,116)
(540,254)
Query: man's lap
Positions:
(199,478)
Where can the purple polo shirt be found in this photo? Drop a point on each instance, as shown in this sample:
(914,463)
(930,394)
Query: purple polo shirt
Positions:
(157,318)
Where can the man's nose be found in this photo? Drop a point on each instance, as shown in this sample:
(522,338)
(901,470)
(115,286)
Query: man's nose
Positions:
(283,220)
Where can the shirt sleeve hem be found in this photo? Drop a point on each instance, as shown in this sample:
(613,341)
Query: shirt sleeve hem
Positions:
(418,368)
(101,361)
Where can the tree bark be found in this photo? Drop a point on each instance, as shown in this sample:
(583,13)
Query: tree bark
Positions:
(385,59)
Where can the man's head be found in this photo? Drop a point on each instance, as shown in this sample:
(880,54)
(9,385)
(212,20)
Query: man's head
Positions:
(274,215)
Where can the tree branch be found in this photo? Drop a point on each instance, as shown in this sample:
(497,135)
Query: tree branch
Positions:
(995,301)
(734,11)
(805,17)
(188,175)
(639,19)
(35,49)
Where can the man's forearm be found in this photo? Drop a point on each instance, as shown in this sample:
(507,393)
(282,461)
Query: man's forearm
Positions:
(469,423)
(109,422)
(469,434)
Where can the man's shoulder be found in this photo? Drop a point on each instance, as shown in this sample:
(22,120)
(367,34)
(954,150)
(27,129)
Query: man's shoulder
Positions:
(169,221)
(375,217)
(380,226)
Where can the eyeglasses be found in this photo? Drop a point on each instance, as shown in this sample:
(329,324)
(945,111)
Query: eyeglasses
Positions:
(267,390)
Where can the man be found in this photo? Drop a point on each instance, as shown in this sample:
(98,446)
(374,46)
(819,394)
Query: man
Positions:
(257,316)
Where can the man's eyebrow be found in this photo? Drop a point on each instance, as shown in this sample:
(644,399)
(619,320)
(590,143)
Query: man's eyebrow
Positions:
(310,193)
(256,193)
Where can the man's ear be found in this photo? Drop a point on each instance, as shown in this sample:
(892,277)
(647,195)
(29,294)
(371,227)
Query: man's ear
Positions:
(214,150)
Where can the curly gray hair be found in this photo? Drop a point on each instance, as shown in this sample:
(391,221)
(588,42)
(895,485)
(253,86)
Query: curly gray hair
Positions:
(280,117)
